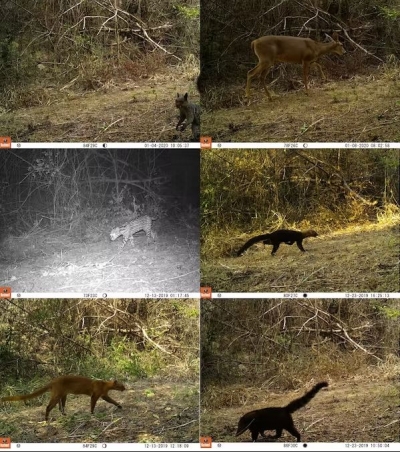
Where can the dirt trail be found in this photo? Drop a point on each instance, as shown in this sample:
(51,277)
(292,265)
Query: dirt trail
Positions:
(353,411)
(154,411)
(357,261)
(133,112)
(358,110)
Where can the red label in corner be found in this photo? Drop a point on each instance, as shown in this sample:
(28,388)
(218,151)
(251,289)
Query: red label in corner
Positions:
(5,292)
(205,142)
(5,142)
(5,443)
(205,442)
(205,292)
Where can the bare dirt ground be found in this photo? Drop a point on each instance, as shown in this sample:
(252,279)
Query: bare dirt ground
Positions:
(130,112)
(45,262)
(355,261)
(353,411)
(154,411)
(365,108)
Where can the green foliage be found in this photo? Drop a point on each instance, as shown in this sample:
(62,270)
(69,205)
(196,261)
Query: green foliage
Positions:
(391,312)
(85,55)
(25,385)
(188,12)
(15,71)
(82,338)
(69,422)
(185,309)
(129,361)
(9,54)
(7,427)
(391,13)
(261,190)
(284,341)
(149,393)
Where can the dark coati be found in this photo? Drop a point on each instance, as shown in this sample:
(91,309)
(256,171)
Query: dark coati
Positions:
(277,237)
(275,418)
(73,384)
(189,112)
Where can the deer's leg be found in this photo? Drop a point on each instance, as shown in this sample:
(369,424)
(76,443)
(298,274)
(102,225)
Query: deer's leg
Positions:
(306,69)
(261,70)
(320,70)
(263,77)
(250,75)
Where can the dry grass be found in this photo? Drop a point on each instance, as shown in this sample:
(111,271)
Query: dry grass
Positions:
(155,411)
(116,111)
(329,363)
(364,108)
(266,353)
(357,409)
(356,259)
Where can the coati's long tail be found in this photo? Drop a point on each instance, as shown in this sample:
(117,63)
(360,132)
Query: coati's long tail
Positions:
(257,238)
(302,401)
(27,396)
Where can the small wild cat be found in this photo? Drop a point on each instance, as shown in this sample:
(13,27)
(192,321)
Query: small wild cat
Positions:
(143,223)
(189,112)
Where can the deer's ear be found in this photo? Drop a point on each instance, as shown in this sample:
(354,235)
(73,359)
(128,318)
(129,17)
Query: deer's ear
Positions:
(186,96)
(177,94)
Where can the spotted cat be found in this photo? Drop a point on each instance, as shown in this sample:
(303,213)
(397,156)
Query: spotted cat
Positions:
(129,229)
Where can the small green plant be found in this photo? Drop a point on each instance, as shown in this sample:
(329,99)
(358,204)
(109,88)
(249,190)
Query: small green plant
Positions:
(188,12)
(390,13)
(149,393)
(304,128)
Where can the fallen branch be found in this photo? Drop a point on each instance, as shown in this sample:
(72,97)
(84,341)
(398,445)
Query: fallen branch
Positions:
(152,342)
(358,45)
(147,38)
(179,426)
(355,344)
